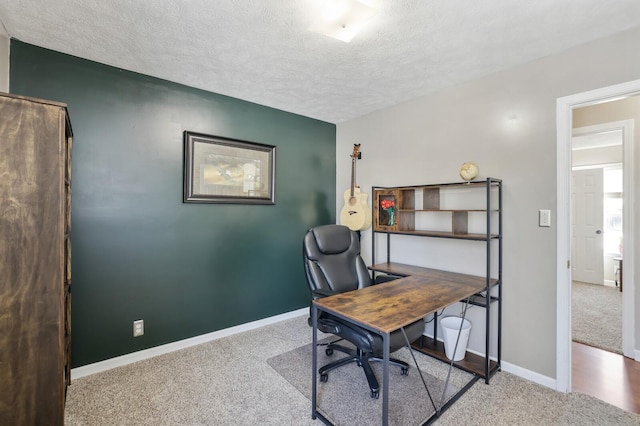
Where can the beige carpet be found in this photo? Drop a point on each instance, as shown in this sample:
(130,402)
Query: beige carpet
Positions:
(596,316)
(228,382)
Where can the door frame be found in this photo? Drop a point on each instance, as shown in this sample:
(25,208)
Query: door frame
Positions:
(564,121)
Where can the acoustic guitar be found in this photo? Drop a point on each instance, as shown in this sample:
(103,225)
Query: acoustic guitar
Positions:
(355,214)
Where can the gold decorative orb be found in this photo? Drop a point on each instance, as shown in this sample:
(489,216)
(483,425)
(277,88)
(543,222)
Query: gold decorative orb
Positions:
(468,171)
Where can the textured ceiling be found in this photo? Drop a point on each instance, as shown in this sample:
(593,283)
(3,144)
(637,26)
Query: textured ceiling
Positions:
(261,51)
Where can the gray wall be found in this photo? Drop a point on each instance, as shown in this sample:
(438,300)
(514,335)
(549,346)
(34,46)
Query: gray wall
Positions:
(506,123)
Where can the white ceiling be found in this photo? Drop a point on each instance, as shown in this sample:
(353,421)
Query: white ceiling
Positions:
(261,51)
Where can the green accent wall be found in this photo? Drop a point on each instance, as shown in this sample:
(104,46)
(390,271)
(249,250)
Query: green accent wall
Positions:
(138,251)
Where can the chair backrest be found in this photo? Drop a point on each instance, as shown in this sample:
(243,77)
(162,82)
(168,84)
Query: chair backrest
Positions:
(332,261)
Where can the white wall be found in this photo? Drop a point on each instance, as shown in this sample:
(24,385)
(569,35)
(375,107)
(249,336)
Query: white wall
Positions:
(505,123)
(596,156)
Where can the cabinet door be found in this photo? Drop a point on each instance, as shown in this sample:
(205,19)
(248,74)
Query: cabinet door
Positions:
(32,239)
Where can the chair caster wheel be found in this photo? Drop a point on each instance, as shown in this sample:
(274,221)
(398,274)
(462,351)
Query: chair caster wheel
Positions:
(375,394)
(404,371)
(324,377)
(328,351)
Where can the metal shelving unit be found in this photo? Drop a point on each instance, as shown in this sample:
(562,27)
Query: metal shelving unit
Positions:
(402,221)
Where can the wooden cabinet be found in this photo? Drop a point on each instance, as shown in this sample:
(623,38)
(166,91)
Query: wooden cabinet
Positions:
(35,260)
(460,211)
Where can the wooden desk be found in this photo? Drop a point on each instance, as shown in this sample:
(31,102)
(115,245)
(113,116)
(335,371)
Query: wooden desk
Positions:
(387,307)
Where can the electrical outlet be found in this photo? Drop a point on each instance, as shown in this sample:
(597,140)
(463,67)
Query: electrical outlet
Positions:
(544,218)
(138,328)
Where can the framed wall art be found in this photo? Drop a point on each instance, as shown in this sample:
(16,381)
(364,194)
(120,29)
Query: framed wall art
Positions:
(224,170)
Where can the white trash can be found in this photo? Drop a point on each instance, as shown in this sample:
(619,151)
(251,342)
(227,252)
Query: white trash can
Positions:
(450,329)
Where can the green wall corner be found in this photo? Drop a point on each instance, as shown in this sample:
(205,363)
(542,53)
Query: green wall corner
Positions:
(138,251)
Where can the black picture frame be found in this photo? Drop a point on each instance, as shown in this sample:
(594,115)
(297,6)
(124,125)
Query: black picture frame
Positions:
(224,170)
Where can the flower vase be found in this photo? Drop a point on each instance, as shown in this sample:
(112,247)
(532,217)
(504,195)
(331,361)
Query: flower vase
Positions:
(392,216)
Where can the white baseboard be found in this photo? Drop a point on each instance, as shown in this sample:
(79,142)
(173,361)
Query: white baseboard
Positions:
(532,376)
(119,361)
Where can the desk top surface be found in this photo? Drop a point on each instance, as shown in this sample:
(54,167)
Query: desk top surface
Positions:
(387,307)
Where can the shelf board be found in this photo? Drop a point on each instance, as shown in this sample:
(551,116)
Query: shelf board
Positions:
(447,210)
(404,270)
(479,300)
(441,234)
(471,363)
(493,182)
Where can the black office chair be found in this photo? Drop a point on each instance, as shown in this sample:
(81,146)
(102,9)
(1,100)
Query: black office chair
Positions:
(333,265)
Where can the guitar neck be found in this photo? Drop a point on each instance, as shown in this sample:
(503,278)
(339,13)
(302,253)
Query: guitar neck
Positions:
(353,176)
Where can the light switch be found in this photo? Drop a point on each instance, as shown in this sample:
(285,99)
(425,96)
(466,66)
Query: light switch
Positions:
(544,218)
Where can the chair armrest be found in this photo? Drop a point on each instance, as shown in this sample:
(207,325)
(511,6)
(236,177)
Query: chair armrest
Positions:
(326,325)
(317,294)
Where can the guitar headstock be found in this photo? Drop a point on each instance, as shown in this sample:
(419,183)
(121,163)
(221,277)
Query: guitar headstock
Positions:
(356,155)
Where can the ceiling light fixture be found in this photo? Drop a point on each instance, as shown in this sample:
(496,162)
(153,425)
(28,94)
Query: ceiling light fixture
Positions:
(342,19)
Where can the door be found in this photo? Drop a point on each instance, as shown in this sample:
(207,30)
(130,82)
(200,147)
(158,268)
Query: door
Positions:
(586,221)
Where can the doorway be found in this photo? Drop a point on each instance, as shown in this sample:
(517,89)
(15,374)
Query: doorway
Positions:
(596,227)
(565,107)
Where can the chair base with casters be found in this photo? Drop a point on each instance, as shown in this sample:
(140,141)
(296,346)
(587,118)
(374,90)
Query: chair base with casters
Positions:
(362,359)
(368,348)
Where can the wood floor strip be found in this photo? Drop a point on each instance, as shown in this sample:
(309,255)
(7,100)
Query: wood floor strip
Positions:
(607,376)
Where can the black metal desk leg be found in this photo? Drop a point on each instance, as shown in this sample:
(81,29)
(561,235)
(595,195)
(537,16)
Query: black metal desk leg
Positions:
(314,362)
(386,339)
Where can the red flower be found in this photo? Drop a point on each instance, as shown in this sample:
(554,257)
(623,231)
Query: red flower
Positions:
(385,204)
